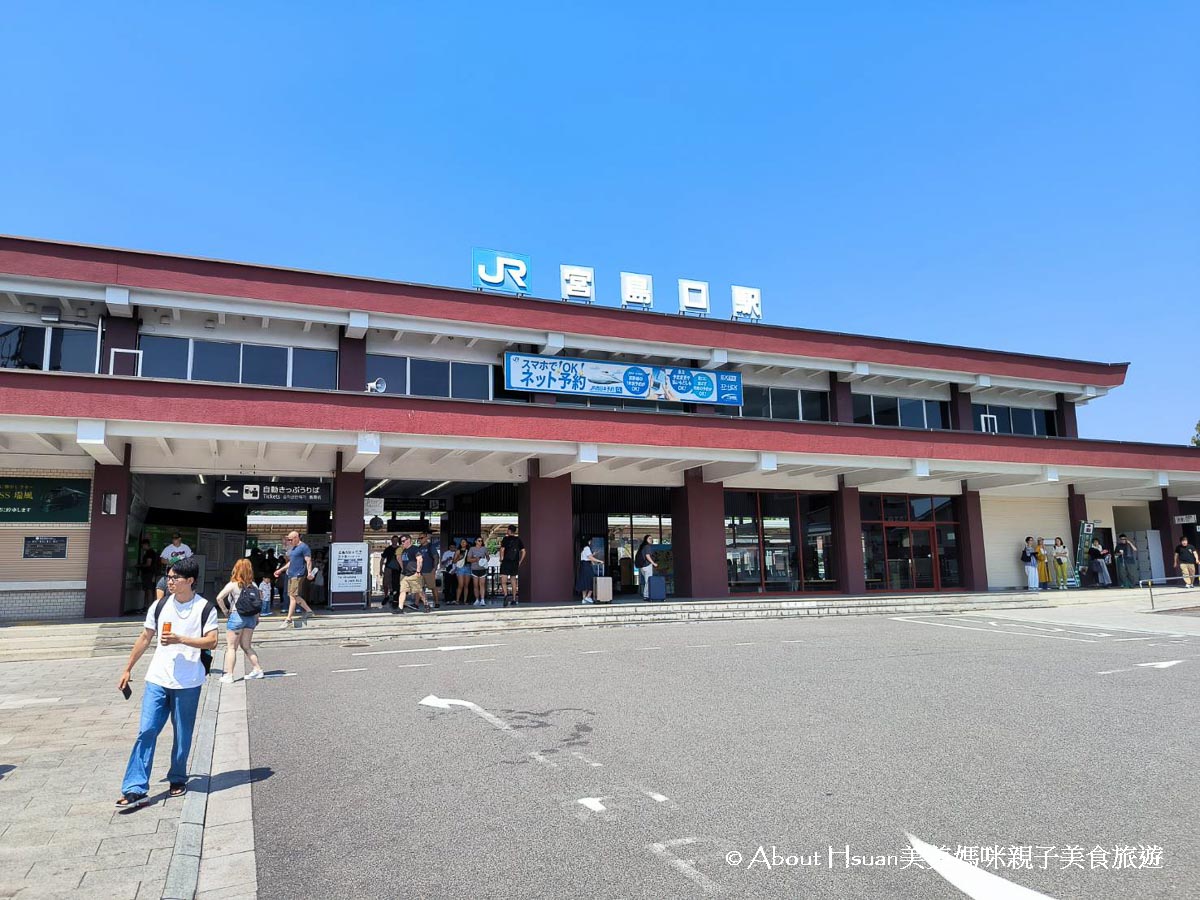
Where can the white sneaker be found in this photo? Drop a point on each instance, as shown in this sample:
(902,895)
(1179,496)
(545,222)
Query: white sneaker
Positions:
(227,678)
(257,673)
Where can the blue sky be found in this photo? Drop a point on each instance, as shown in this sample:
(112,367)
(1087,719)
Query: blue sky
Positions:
(1014,175)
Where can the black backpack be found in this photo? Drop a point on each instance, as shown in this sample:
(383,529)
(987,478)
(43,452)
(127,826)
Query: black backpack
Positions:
(249,601)
(206,657)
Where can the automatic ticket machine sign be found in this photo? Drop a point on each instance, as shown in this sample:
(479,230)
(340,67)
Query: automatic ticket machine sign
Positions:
(285,493)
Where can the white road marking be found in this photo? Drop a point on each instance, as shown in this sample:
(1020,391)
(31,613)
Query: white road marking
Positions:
(538,656)
(1160,665)
(1052,637)
(593,651)
(684,867)
(591,762)
(413,665)
(426,650)
(971,880)
(657,798)
(592,803)
(481,659)
(1119,640)
(349,670)
(791,642)
(698,646)
(745,643)
(281,675)
(647,648)
(492,719)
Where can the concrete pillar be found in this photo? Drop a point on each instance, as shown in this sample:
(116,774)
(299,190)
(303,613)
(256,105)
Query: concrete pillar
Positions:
(848,538)
(105,593)
(352,364)
(1162,519)
(961,418)
(1076,513)
(349,489)
(841,400)
(972,555)
(1064,417)
(120,333)
(698,537)
(544,519)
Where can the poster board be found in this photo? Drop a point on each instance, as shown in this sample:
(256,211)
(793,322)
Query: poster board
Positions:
(347,573)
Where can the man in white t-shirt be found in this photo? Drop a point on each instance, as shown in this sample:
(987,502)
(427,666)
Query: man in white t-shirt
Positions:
(186,625)
(175,551)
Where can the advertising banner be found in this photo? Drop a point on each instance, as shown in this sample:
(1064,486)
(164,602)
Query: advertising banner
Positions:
(45,499)
(348,568)
(604,378)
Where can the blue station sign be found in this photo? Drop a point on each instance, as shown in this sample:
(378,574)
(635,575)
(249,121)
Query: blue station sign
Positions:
(604,378)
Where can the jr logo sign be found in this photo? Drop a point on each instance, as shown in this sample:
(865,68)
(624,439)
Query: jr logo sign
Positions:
(494,270)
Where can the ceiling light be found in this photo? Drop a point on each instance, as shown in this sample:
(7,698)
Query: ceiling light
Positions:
(378,486)
(435,488)
(200,475)
(164,320)
(51,314)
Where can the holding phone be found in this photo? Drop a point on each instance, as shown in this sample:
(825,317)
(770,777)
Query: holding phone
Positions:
(127,692)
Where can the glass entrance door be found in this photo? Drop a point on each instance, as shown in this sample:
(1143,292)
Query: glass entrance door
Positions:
(924,570)
(911,558)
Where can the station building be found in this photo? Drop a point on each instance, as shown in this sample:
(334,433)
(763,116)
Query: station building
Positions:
(141,393)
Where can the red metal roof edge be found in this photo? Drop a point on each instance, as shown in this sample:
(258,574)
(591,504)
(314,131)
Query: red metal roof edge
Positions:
(128,256)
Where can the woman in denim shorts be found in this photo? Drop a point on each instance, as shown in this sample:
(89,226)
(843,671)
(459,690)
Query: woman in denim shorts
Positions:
(239,630)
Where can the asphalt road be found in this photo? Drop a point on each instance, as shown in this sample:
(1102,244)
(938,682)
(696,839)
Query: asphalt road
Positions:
(691,743)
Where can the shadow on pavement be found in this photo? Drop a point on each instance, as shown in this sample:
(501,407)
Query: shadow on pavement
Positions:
(223,781)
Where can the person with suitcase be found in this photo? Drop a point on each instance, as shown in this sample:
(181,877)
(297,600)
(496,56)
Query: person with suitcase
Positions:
(585,578)
(645,562)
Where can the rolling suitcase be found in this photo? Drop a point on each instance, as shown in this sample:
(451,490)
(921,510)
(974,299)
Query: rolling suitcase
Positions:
(658,588)
(602,589)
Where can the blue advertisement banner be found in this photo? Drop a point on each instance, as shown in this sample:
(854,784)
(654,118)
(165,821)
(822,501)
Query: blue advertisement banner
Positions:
(603,378)
(499,270)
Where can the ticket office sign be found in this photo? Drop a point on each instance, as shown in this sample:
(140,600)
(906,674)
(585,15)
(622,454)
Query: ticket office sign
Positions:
(604,378)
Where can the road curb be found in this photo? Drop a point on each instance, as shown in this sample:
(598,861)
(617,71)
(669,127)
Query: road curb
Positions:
(183,872)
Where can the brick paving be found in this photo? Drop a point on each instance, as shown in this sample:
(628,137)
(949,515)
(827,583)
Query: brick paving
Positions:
(65,736)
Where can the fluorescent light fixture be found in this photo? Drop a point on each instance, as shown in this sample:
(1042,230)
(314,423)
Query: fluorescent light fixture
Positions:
(377,487)
(435,488)
(51,314)
(200,475)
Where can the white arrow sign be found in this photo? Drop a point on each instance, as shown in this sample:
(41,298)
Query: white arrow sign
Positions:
(229,491)
(971,880)
(1161,665)
(446,703)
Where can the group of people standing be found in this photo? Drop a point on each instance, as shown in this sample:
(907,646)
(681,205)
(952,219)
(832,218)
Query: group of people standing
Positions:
(1049,567)
(410,569)
(590,568)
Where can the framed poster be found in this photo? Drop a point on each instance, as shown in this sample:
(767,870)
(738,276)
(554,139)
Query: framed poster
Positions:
(347,571)
(44,548)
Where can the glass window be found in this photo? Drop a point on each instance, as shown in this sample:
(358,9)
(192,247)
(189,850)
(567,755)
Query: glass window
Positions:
(500,392)
(820,569)
(887,411)
(977,412)
(862,409)
(937,414)
(430,378)
(1044,422)
(215,361)
(785,404)
(781,542)
(723,410)
(874,560)
(912,413)
(314,369)
(470,380)
(814,406)
(742,561)
(947,553)
(164,357)
(756,403)
(22,346)
(392,369)
(921,509)
(1022,421)
(1003,417)
(944,509)
(263,365)
(871,507)
(895,507)
(73,350)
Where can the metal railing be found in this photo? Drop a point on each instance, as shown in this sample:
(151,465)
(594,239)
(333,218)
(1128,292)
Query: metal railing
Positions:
(1150,582)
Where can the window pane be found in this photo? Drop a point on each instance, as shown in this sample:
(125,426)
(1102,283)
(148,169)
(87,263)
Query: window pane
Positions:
(470,380)
(500,392)
(862,409)
(871,507)
(430,378)
(977,411)
(921,509)
(741,542)
(1022,421)
(1046,423)
(392,369)
(781,538)
(912,413)
(215,361)
(887,411)
(1003,416)
(820,572)
(895,507)
(22,346)
(933,414)
(785,404)
(72,350)
(314,369)
(262,365)
(947,552)
(944,510)
(874,561)
(163,357)
(755,402)
(814,406)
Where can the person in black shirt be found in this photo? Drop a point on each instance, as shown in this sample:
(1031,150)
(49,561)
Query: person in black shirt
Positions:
(512,555)
(412,566)
(1185,561)
(389,571)
(148,572)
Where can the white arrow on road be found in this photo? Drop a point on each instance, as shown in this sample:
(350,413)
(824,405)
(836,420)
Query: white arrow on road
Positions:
(428,650)
(971,880)
(492,719)
(229,491)
(1161,665)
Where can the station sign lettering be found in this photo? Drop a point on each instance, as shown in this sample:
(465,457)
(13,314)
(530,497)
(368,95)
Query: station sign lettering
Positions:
(603,378)
(45,499)
(299,493)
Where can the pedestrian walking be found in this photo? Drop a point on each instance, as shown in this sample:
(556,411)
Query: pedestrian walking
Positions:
(1029,560)
(429,566)
(1185,560)
(299,570)
(1127,562)
(1062,562)
(512,557)
(241,601)
(646,563)
(175,551)
(585,577)
(477,557)
(186,626)
(411,582)
(264,588)
(1098,563)
(389,570)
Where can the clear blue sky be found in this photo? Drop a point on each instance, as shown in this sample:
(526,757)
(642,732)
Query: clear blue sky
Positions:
(1016,175)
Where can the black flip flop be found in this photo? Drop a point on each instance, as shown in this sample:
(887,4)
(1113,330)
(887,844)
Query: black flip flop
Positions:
(177,790)
(130,802)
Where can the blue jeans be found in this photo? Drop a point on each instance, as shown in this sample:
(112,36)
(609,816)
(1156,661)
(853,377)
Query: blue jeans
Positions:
(157,703)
